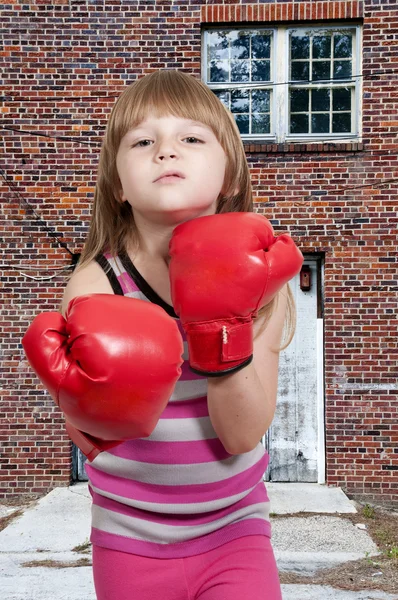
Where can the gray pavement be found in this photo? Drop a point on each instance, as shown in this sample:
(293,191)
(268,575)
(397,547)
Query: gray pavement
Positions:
(52,528)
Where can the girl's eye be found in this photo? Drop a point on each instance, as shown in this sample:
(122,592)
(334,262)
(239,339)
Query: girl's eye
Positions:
(190,138)
(142,143)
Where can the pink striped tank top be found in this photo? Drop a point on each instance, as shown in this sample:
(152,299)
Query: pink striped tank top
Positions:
(178,492)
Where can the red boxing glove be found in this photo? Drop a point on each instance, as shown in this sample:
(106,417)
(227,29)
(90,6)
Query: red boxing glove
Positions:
(111,366)
(223,269)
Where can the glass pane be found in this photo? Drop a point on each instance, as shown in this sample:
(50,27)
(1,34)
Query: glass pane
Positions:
(261,46)
(320,123)
(239,70)
(260,123)
(320,100)
(300,71)
(342,46)
(299,100)
(299,46)
(240,47)
(321,70)
(341,122)
(223,96)
(219,70)
(242,122)
(321,46)
(261,70)
(299,124)
(261,100)
(240,101)
(342,99)
(217,45)
(342,69)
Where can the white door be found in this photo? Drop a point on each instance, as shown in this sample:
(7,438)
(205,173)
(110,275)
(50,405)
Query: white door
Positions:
(295,440)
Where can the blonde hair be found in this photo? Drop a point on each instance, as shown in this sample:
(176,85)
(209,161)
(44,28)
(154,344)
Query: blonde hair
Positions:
(168,92)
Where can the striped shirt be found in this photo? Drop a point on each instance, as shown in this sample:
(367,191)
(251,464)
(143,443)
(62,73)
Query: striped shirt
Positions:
(178,492)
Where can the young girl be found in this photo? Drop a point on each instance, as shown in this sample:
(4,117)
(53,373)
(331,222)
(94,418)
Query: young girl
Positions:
(183,513)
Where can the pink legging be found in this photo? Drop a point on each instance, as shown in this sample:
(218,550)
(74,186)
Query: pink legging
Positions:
(241,569)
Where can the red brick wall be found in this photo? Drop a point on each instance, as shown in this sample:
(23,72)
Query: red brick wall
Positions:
(62,66)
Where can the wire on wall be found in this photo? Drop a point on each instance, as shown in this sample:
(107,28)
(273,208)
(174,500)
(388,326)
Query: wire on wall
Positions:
(75,256)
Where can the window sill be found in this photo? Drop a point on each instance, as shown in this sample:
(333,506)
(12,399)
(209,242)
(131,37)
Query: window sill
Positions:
(302,147)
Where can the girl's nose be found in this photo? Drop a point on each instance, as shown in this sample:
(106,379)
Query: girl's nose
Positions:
(163,155)
(167,150)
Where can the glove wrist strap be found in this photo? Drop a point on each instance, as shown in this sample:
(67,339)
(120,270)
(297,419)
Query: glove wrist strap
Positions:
(220,347)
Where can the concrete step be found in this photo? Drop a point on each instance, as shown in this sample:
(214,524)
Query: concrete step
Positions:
(291,498)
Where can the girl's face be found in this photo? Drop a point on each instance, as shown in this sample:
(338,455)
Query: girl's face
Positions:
(171,169)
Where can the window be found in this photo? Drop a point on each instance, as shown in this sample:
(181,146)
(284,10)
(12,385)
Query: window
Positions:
(287,83)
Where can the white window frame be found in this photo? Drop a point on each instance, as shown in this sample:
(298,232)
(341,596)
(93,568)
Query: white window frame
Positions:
(279,122)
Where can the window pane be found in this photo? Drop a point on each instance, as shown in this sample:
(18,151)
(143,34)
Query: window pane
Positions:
(240,101)
(300,71)
(342,46)
(242,122)
(342,69)
(299,124)
(320,123)
(299,46)
(321,70)
(223,96)
(321,46)
(342,99)
(240,46)
(217,45)
(261,70)
(261,46)
(260,123)
(341,122)
(260,101)
(219,70)
(320,100)
(239,70)
(299,100)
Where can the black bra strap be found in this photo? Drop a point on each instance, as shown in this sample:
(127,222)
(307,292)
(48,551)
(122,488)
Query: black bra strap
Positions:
(144,286)
(110,273)
(138,279)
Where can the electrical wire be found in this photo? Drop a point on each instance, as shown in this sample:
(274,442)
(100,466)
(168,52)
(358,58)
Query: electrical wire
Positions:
(46,135)
(58,271)
(15,190)
(251,85)
(38,278)
(79,140)
(33,268)
(223,86)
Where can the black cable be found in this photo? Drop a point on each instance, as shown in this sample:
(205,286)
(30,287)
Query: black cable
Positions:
(8,98)
(75,257)
(58,137)
(43,223)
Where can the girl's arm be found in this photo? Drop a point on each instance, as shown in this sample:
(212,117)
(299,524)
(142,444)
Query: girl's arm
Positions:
(91,279)
(242,405)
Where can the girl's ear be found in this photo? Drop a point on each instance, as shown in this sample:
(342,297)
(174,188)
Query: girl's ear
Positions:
(120,197)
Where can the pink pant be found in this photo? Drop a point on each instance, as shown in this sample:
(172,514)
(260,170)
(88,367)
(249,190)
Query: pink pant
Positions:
(242,569)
